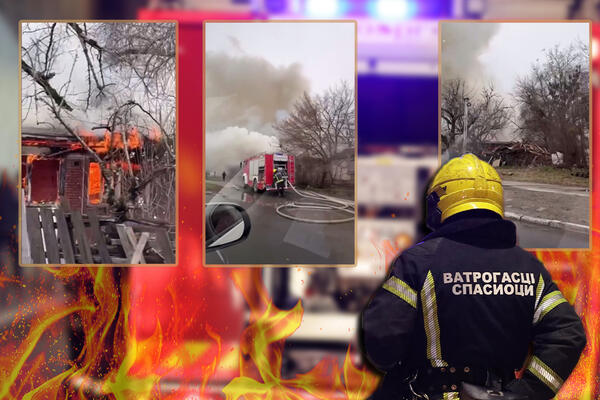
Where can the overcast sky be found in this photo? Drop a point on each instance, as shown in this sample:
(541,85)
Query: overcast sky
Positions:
(324,50)
(516,46)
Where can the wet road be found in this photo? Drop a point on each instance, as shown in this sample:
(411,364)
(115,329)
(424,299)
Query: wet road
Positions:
(274,239)
(540,236)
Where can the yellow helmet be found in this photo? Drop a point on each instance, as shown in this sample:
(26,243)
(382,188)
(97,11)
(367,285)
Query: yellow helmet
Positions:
(274,169)
(462,184)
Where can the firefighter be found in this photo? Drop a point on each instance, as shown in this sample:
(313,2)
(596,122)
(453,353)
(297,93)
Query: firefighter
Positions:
(465,308)
(278,181)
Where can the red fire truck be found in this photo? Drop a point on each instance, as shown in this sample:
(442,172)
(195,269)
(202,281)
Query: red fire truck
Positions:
(258,170)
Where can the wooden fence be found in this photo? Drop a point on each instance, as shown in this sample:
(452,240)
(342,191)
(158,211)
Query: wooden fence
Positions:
(57,236)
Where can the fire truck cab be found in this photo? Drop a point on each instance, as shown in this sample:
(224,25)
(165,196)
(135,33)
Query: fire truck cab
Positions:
(258,171)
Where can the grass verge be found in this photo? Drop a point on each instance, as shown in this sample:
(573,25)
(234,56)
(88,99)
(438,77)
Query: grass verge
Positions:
(542,174)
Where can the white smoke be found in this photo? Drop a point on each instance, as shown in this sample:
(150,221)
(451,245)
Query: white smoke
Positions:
(72,78)
(462,44)
(245,95)
(226,148)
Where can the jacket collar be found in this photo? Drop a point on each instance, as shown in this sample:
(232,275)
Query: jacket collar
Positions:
(481,229)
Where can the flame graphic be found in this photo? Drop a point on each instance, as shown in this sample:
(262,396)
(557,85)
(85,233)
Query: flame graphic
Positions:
(115,361)
(577,276)
(262,342)
(112,363)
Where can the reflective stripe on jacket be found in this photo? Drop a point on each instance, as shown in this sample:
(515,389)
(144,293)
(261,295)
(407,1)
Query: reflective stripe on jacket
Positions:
(277,177)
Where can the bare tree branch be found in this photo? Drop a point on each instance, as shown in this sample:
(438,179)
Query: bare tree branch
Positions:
(488,115)
(42,80)
(553,104)
(320,126)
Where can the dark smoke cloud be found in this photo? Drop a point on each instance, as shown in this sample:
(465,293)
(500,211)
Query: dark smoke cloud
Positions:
(249,91)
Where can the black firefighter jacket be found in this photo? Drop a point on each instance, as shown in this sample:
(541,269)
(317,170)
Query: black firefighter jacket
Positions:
(468,296)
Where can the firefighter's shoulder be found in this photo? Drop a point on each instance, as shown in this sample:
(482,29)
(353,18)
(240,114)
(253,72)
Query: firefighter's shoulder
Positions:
(424,248)
(417,252)
(410,262)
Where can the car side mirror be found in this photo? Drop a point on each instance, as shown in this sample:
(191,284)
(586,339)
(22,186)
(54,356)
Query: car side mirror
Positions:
(227,224)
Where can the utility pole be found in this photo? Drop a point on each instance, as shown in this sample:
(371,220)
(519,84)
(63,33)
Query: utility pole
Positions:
(465,124)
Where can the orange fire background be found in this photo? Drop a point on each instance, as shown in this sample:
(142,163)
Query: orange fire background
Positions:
(194,333)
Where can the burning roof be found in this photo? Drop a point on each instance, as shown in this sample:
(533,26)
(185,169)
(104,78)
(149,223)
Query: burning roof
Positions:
(101,143)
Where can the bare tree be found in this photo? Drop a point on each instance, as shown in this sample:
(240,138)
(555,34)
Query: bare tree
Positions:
(488,115)
(453,93)
(553,102)
(320,126)
(128,75)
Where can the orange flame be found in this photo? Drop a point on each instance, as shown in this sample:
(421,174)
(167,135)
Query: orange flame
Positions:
(31,158)
(104,143)
(117,141)
(94,183)
(134,139)
(112,362)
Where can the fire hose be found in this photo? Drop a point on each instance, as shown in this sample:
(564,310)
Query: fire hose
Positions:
(326,203)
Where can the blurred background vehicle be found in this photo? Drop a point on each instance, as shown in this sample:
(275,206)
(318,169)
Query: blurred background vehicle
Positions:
(397,132)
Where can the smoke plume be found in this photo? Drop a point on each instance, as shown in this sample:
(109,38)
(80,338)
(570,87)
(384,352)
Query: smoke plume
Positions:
(462,44)
(248,91)
(226,148)
(245,95)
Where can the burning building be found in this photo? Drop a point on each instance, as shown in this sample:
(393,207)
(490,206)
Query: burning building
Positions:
(92,198)
(57,169)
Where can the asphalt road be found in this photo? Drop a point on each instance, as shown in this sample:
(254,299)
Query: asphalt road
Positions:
(539,200)
(569,204)
(539,236)
(277,240)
